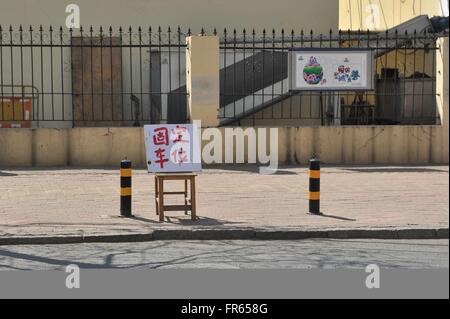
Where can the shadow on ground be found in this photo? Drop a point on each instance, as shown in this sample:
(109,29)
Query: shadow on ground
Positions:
(7,174)
(395,170)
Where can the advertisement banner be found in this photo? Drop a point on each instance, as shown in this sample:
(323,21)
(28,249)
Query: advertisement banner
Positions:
(331,69)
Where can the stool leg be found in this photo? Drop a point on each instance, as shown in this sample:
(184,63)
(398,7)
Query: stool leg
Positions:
(161,199)
(193,199)
(185,197)
(156,195)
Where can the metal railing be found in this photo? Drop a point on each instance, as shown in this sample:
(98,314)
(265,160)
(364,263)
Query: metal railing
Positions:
(104,77)
(130,77)
(255,90)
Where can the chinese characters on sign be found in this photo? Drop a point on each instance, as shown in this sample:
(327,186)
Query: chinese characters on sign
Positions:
(330,70)
(172,148)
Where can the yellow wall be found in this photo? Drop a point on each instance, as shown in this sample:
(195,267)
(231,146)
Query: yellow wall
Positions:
(355,14)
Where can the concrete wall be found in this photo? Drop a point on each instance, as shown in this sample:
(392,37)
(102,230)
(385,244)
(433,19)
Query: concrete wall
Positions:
(334,145)
(202,79)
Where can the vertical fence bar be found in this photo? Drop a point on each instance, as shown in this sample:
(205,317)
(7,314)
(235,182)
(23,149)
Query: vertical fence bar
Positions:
(263,68)
(170,95)
(12,71)
(70,53)
(42,71)
(111,89)
(223,92)
(254,70)
(130,34)
(396,67)
(82,71)
(51,73)
(424,38)
(150,65)
(273,71)
(140,74)
(160,71)
(121,74)
(32,75)
(311,34)
(22,95)
(300,106)
(291,96)
(405,53)
(101,72)
(413,74)
(62,70)
(91,52)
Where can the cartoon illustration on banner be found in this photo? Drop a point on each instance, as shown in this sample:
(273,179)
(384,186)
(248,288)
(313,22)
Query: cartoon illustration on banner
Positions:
(331,70)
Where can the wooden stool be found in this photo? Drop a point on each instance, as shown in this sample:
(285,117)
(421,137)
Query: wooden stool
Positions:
(159,194)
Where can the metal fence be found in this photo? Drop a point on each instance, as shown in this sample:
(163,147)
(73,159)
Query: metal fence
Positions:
(255,88)
(130,77)
(67,78)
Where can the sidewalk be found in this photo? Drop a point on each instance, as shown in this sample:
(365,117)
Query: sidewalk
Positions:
(234,201)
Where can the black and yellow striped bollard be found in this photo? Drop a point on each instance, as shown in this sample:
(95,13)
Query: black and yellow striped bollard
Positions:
(314,186)
(125,188)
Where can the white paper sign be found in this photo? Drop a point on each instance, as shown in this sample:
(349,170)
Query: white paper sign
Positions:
(172,148)
(331,70)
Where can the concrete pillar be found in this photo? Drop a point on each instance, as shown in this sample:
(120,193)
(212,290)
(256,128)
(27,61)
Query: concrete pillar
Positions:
(202,79)
(442,80)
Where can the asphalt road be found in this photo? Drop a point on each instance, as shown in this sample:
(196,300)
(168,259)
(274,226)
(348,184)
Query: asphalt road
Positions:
(229,254)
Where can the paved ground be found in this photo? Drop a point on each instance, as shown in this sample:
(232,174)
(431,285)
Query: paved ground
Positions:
(418,254)
(86,201)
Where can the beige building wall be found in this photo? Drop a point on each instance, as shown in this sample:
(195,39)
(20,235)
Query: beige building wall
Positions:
(258,14)
(357,14)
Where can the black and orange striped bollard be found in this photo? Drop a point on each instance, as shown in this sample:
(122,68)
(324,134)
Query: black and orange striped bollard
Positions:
(314,186)
(125,188)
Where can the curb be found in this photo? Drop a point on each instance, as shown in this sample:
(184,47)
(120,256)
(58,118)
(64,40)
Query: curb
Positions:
(229,234)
